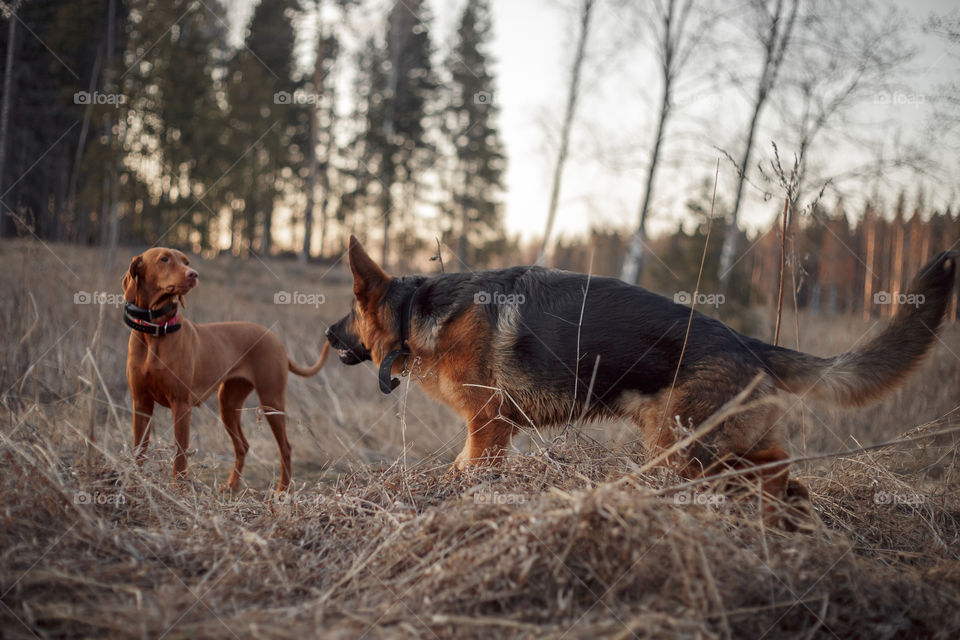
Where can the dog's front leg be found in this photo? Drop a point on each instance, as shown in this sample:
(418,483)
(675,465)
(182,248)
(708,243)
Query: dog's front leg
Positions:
(487,442)
(181,435)
(142,412)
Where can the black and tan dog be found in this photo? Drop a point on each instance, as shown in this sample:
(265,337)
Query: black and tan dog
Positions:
(517,332)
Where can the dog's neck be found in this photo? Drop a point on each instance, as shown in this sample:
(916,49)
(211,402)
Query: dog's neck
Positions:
(156,320)
(387,383)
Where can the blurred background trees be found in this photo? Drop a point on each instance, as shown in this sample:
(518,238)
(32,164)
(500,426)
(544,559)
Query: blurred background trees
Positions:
(302,121)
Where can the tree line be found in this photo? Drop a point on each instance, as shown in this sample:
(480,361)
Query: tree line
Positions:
(139,121)
(149,121)
(838,260)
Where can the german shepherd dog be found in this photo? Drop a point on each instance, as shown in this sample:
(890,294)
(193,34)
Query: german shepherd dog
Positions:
(558,345)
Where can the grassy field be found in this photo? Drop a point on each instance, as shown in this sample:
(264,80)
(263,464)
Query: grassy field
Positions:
(567,540)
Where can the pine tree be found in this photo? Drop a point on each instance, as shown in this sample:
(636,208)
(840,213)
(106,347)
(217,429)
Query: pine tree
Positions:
(53,136)
(400,86)
(177,118)
(471,125)
(269,121)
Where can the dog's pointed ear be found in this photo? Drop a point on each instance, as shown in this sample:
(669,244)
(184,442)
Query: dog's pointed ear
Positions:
(131,279)
(369,280)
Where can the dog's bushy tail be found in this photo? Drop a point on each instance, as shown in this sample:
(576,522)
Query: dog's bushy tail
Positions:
(306,372)
(863,374)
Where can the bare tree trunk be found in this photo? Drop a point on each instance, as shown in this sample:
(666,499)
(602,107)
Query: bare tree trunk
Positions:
(386,205)
(324,204)
(871,229)
(462,245)
(5,112)
(312,144)
(675,45)
(325,169)
(113,219)
(633,263)
(71,203)
(775,45)
(896,276)
(565,128)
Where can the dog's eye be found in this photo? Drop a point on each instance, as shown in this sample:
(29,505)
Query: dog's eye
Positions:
(186,262)
(164,259)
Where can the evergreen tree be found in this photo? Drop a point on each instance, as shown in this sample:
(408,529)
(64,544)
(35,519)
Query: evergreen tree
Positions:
(269,122)
(472,128)
(176,118)
(54,135)
(400,85)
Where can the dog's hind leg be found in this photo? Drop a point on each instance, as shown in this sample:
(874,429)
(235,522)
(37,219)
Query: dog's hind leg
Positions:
(231,396)
(273,406)
(784,503)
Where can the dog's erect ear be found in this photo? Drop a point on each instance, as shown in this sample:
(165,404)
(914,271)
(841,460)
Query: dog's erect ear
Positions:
(369,280)
(131,279)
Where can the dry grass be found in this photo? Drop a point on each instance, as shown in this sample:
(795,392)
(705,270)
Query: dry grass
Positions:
(566,540)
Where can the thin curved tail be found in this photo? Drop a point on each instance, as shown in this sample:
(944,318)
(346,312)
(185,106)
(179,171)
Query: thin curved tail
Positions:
(863,374)
(306,372)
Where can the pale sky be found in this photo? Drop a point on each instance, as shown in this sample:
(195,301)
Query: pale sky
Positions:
(604,177)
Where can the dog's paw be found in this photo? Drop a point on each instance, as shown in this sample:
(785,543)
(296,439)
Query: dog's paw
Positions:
(797,511)
(232,485)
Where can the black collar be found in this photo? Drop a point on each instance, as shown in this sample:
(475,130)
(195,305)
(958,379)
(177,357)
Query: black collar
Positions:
(140,319)
(388,384)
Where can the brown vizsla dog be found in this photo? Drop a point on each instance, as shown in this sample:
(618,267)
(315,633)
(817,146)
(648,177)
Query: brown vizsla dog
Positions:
(178,364)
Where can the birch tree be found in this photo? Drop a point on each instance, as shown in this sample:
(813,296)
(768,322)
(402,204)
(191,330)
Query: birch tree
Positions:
(573,94)
(678,28)
(773,25)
